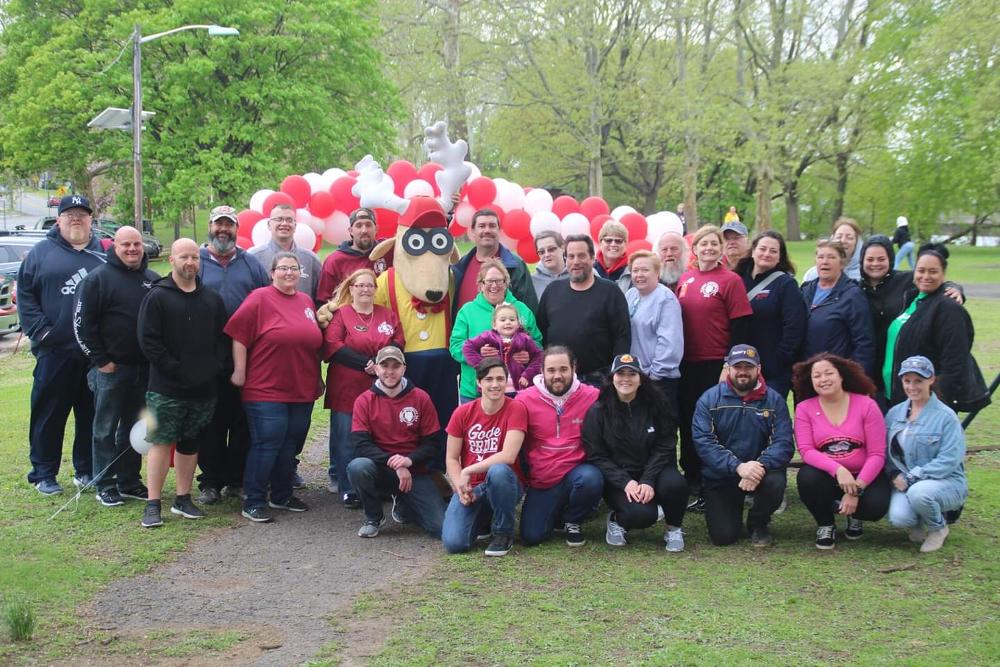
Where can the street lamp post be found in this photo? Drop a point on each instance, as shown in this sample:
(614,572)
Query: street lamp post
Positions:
(137,41)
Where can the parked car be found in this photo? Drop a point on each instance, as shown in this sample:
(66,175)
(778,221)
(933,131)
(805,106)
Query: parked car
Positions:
(150,243)
(9,322)
(54,201)
(14,245)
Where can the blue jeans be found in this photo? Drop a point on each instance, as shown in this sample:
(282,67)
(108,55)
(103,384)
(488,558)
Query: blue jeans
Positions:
(422,504)
(569,501)
(925,502)
(341,450)
(276,430)
(118,398)
(59,385)
(498,494)
(907,252)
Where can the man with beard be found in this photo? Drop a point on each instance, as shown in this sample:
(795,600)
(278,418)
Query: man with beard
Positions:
(562,488)
(674,252)
(233,273)
(485,233)
(106,325)
(586,313)
(282,225)
(46,282)
(743,436)
(351,255)
(737,243)
(551,266)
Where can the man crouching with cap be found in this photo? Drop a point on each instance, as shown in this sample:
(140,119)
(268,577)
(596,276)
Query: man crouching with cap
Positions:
(395,432)
(743,436)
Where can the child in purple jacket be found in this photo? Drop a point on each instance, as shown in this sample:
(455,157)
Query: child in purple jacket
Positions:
(509,337)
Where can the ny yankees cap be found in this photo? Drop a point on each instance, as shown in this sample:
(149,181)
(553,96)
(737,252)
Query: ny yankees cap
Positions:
(74,201)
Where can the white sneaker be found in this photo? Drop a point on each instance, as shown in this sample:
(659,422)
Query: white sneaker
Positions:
(674,537)
(934,540)
(615,534)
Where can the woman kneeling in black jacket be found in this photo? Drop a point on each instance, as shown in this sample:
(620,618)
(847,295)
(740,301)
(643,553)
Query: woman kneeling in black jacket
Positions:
(630,435)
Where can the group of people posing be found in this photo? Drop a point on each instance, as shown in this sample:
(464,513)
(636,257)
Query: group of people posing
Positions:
(569,385)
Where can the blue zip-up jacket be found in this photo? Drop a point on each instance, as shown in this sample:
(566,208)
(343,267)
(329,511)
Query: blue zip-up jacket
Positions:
(935,444)
(728,431)
(520,281)
(840,325)
(234,282)
(46,283)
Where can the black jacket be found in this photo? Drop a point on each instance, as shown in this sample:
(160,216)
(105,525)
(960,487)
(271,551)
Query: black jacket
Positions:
(841,324)
(941,330)
(107,312)
(629,441)
(181,335)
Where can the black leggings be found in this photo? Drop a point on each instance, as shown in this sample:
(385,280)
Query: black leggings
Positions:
(671,495)
(697,377)
(819,492)
(724,507)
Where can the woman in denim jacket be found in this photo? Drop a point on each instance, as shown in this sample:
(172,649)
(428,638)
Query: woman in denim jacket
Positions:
(924,458)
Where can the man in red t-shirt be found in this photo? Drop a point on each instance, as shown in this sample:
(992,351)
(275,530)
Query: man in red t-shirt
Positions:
(484,439)
(395,432)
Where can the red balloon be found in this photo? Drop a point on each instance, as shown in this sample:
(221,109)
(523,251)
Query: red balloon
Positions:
(276,198)
(319,243)
(298,188)
(401,172)
(593,207)
(564,205)
(636,225)
(596,224)
(517,225)
(247,220)
(481,191)
(456,229)
(638,244)
(427,172)
(526,250)
(343,198)
(244,242)
(321,204)
(387,221)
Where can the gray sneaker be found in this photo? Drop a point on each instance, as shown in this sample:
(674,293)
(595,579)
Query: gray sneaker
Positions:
(615,534)
(934,540)
(209,496)
(151,515)
(674,537)
(48,487)
(371,528)
(185,508)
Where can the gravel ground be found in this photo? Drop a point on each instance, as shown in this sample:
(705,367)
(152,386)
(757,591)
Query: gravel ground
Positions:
(283,580)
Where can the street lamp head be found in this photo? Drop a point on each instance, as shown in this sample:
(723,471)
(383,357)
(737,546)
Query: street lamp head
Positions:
(222,31)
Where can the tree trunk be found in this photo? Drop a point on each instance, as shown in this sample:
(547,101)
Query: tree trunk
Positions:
(690,182)
(764,179)
(838,202)
(793,226)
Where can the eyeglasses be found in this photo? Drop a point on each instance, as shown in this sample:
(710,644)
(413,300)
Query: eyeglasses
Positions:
(288,219)
(75,215)
(547,251)
(613,241)
(495,281)
(363,285)
(287,269)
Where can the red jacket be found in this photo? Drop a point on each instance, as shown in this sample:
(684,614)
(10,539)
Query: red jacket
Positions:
(552,443)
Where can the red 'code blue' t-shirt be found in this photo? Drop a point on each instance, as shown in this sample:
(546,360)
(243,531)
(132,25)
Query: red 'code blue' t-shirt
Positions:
(483,435)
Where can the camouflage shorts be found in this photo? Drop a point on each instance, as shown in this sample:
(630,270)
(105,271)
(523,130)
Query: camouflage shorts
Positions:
(178,421)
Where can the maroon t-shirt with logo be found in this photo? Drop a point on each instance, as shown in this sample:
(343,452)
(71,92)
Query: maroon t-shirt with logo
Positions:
(483,435)
(709,300)
(398,423)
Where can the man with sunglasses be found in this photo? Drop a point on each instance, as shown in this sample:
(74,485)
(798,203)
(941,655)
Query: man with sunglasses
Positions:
(352,255)
(282,225)
(551,266)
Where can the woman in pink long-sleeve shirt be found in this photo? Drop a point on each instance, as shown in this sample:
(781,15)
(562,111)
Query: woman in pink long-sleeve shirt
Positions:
(840,434)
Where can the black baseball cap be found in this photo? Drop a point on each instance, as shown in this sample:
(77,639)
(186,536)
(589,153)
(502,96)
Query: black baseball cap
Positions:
(74,201)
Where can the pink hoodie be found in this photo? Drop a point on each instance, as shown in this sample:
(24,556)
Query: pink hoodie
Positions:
(552,443)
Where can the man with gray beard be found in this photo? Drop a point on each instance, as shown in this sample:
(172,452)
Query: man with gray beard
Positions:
(673,251)
(233,273)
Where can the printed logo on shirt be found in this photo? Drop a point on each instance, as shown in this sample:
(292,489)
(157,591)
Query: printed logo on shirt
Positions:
(310,315)
(483,442)
(710,289)
(409,415)
(386,329)
(651,429)
(379,265)
(839,447)
(147,284)
(684,287)
(763,294)
(74,280)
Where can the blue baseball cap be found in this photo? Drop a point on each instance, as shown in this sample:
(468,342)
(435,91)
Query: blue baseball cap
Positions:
(737,227)
(743,354)
(922,366)
(74,201)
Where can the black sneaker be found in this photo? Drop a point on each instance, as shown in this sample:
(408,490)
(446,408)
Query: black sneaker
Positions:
(293,504)
(855,528)
(761,537)
(257,514)
(826,537)
(398,515)
(351,501)
(574,535)
(138,492)
(82,481)
(184,507)
(500,545)
(109,498)
(297,481)
(697,504)
(151,515)
(209,496)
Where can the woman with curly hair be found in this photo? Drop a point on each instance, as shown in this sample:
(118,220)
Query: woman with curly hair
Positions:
(841,437)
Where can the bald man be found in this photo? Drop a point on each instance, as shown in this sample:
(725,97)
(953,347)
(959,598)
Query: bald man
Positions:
(180,332)
(673,252)
(106,322)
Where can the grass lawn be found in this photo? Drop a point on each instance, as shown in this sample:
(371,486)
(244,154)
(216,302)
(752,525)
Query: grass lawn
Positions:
(549,605)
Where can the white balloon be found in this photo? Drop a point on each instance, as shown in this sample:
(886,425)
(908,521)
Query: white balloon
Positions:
(257,201)
(537,200)
(260,234)
(304,217)
(137,437)
(620,211)
(574,223)
(335,228)
(315,181)
(656,225)
(544,221)
(475,173)
(510,196)
(673,223)
(330,175)
(463,214)
(418,187)
(305,237)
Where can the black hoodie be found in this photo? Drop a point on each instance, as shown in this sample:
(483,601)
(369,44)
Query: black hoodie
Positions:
(106,313)
(181,335)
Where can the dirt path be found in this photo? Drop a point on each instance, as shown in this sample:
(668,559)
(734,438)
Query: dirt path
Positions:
(280,583)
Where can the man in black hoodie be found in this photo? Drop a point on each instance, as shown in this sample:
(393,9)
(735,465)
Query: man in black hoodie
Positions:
(180,332)
(105,323)
(46,282)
